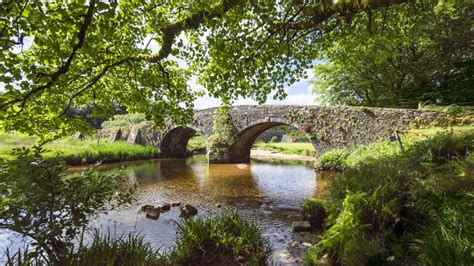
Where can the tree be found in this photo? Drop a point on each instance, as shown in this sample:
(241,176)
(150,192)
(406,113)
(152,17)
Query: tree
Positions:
(400,57)
(85,52)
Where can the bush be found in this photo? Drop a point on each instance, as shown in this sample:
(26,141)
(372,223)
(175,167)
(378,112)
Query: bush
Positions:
(315,211)
(333,159)
(225,240)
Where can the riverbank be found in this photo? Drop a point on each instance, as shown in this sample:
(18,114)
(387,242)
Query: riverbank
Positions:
(393,206)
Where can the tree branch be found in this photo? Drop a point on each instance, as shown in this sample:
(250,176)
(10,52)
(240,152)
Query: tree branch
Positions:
(64,68)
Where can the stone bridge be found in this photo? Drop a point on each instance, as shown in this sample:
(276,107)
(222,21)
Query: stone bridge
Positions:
(325,127)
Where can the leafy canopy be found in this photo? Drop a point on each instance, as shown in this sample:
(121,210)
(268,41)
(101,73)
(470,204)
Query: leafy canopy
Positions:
(58,54)
(400,57)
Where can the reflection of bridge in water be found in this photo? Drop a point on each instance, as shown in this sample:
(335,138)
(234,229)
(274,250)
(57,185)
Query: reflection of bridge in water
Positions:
(325,127)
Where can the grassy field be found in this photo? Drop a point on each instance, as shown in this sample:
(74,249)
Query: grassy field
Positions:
(77,152)
(292,148)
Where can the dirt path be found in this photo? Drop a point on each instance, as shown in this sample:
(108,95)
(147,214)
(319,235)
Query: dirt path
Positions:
(263,154)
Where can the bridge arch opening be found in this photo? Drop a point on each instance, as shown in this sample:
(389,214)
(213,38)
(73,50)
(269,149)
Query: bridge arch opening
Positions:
(273,136)
(175,141)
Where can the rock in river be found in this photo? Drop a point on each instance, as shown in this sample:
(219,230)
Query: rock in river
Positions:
(302,226)
(165,207)
(152,213)
(188,210)
(146,206)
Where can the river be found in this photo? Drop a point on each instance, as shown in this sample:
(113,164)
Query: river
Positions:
(271,192)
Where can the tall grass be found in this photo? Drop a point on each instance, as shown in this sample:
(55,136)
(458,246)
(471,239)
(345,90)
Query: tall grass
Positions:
(90,152)
(225,240)
(77,152)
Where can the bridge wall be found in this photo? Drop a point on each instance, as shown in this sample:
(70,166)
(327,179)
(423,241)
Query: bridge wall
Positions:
(325,127)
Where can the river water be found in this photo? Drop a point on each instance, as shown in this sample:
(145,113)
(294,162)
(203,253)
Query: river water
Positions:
(271,192)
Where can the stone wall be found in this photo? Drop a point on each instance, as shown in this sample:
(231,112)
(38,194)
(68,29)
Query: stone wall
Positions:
(326,127)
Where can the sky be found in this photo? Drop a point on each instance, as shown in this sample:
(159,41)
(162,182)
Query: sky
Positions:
(298,94)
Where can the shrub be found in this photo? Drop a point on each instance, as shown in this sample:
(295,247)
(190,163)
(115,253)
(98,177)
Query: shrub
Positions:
(39,200)
(224,240)
(315,211)
(334,159)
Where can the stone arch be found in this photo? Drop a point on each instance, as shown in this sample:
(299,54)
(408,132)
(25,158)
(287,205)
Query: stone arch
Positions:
(240,151)
(174,141)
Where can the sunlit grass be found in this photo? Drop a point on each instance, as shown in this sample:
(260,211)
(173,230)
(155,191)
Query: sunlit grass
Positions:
(77,152)
(291,148)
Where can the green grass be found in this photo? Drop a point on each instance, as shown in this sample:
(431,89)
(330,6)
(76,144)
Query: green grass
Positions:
(196,143)
(412,207)
(77,152)
(291,148)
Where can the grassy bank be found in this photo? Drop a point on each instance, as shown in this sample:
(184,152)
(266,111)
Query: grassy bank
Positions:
(76,152)
(393,207)
(291,148)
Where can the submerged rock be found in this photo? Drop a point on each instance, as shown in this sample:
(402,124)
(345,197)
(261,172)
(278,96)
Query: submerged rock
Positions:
(188,210)
(165,207)
(146,206)
(153,213)
(302,226)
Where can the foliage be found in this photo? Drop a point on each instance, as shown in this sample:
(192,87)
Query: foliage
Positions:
(400,57)
(124,120)
(297,148)
(406,207)
(334,159)
(90,114)
(141,55)
(130,249)
(196,143)
(40,201)
(290,131)
(315,211)
(225,240)
(223,132)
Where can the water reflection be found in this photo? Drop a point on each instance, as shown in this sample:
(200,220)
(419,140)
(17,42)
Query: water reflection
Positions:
(269,191)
